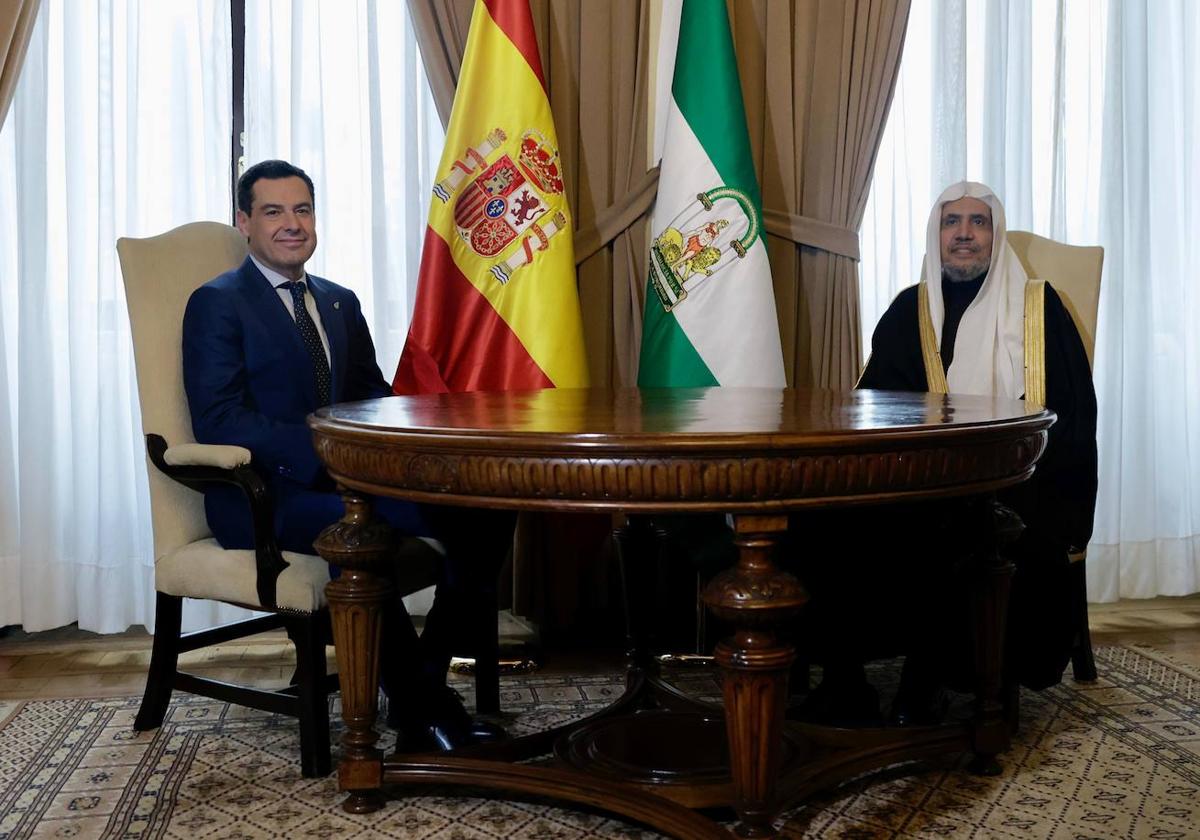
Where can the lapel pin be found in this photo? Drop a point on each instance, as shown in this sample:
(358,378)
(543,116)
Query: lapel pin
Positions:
(337,304)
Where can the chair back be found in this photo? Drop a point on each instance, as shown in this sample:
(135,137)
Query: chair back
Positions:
(1073,270)
(160,273)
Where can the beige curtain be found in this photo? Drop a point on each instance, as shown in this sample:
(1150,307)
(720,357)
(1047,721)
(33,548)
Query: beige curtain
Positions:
(441,29)
(16,27)
(817,77)
(595,57)
(598,74)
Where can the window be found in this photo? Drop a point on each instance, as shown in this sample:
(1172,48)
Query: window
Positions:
(1084,117)
(122,126)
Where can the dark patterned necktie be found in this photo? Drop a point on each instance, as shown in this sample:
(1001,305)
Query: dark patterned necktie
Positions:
(312,340)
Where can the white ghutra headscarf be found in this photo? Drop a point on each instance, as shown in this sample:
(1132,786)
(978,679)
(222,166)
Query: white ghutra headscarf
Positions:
(989,351)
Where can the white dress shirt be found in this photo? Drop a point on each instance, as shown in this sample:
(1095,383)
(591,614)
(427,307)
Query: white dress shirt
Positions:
(285,294)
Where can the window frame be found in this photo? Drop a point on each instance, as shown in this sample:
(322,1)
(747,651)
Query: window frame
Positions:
(237,140)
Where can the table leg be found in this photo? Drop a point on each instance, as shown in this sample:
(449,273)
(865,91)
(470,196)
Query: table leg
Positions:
(360,546)
(756,597)
(998,526)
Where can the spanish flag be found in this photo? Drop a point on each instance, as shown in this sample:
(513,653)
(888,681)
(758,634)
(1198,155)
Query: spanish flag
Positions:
(497,306)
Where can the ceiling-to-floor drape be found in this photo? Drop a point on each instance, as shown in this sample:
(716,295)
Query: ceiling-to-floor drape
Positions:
(120,126)
(339,88)
(110,134)
(817,76)
(1147,537)
(16,27)
(1084,116)
(595,59)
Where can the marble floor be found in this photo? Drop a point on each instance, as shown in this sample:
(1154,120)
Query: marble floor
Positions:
(73,663)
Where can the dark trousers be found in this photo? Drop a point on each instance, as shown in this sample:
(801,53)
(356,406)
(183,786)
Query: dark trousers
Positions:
(477,543)
(898,580)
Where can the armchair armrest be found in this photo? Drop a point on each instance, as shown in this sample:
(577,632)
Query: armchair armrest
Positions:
(198,466)
(207,455)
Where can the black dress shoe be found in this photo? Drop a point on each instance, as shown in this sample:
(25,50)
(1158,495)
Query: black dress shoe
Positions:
(926,709)
(443,736)
(921,699)
(842,701)
(442,724)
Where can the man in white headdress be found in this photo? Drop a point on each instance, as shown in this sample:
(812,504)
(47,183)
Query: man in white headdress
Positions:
(962,330)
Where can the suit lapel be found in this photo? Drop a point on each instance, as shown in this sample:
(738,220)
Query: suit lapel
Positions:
(329,305)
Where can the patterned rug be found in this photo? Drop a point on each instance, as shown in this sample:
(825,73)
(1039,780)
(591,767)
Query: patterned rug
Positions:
(1118,758)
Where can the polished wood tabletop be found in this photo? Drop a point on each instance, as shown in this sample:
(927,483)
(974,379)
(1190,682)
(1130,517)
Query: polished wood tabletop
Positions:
(679,449)
(755,453)
(662,415)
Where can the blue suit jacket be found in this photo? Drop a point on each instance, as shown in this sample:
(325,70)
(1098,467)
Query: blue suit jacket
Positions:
(249,382)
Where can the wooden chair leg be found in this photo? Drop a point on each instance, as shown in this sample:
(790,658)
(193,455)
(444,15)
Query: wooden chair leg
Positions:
(164,660)
(307,635)
(1083,663)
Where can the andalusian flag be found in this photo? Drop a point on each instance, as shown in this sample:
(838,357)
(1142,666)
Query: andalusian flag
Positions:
(497,307)
(710,308)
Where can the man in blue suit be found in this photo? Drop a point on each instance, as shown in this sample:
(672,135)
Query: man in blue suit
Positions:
(265,345)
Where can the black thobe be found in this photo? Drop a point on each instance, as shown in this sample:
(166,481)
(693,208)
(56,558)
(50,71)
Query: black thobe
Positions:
(1056,505)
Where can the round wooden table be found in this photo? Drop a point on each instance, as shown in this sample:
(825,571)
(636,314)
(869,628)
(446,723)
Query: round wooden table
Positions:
(755,453)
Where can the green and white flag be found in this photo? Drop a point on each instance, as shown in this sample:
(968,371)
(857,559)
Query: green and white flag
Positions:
(710,307)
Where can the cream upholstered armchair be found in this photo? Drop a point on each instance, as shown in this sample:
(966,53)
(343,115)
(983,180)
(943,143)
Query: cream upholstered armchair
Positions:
(1074,272)
(160,274)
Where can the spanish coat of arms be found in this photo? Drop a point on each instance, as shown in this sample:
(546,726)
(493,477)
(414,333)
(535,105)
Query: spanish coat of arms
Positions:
(502,201)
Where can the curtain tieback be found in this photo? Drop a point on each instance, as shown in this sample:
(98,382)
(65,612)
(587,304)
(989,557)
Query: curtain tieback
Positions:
(617,217)
(813,233)
(637,201)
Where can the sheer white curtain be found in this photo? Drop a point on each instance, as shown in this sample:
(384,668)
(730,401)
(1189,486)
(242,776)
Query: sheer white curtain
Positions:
(121,127)
(338,88)
(1085,117)
(113,132)
(1148,363)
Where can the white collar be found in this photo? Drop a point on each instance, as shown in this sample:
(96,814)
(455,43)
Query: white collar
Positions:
(274,277)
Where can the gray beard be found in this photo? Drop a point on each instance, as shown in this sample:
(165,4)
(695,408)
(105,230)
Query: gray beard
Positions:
(963,275)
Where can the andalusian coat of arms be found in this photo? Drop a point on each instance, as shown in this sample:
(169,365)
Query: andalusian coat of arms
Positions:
(704,238)
(506,209)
